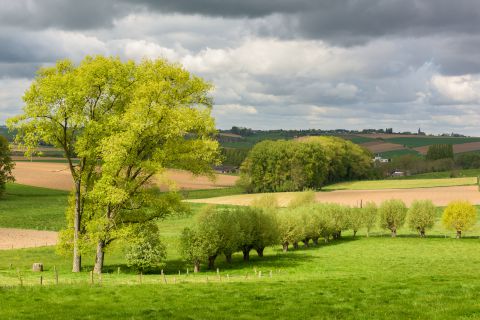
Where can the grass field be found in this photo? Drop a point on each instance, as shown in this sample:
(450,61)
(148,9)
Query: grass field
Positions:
(397,153)
(353,278)
(443,174)
(413,142)
(32,208)
(401,184)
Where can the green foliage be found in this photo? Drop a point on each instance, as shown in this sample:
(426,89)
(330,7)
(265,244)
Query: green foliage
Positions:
(265,201)
(421,216)
(356,219)
(440,151)
(370,215)
(290,228)
(302,199)
(145,251)
(274,166)
(392,215)
(192,247)
(459,216)
(468,160)
(6,165)
(234,156)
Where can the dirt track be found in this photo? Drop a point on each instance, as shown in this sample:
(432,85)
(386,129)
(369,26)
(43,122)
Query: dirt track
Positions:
(23,238)
(57,176)
(440,196)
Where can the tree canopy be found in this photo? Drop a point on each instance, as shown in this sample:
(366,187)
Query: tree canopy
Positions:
(310,163)
(125,122)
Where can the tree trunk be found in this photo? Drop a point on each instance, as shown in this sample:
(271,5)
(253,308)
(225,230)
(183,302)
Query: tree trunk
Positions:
(354,233)
(315,241)
(459,234)
(285,246)
(196,266)
(339,234)
(246,253)
(77,258)
(305,242)
(368,231)
(228,257)
(394,233)
(422,233)
(260,251)
(99,257)
(295,245)
(211,262)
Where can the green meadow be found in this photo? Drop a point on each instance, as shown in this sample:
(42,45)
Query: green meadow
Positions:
(353,278)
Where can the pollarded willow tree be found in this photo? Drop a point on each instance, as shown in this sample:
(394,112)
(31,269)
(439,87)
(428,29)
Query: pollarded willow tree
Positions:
(125,122)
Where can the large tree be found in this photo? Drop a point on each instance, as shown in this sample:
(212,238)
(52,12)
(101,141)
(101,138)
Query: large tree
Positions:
(69,107)
(6,164)
(125,123)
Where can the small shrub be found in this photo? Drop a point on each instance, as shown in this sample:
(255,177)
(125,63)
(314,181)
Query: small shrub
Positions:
(370,216)
(146,252)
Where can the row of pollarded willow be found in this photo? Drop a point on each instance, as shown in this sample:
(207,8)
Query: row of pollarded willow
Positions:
(226,231)
(295,165)
(125,122)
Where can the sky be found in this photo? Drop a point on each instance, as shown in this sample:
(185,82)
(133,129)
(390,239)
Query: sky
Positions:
(352,64)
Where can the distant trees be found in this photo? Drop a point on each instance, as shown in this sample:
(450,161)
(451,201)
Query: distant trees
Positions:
(392,215)
(459,216)
(421,216)
(440,151)
(273,166)
(6,164)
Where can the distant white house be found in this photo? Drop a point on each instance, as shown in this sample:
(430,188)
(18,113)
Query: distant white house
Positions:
(380,159)
(398,174)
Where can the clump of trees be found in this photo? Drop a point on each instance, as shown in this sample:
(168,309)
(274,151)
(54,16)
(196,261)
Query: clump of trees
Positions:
(6,165)
(226,231)
(440,151)
(459,216)
(310,163)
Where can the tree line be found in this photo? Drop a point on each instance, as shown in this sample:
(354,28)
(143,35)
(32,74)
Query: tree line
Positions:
(225,231)
(6,164)
(309,163)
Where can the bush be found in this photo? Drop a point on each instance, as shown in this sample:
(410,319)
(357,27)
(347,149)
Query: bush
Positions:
(146,252)
(302,199)
(192,248)
(459,216)
(6,165)
(392,215)
(421,216)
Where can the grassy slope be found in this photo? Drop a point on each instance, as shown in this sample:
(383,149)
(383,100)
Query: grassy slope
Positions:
(401,184)
(413,142)
(444,174)
(32,208)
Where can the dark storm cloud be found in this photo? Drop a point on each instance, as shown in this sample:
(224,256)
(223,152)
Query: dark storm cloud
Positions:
(61,14)
(349,21)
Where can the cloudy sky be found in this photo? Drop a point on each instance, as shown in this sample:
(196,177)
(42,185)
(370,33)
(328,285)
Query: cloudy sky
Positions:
(274,63)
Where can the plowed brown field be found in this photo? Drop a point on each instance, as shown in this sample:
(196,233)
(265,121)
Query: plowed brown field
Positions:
(57,176)
(22,238)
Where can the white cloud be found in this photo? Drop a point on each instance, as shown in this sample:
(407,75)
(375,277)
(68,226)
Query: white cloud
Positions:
(462,89)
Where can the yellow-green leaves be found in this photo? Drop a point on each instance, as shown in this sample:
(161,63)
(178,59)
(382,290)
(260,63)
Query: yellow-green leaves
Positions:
(459,216)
